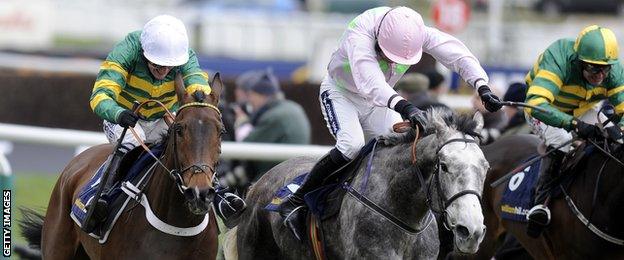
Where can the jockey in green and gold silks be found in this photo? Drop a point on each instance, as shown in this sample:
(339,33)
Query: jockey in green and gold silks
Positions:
(570,79)
(141,67)
(125,77)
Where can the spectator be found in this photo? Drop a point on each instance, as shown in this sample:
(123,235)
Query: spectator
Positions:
(516,123)
(415,88)
(274,119)
(437,84)
(242,108)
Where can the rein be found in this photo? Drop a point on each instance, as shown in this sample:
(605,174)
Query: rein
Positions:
(443,203)
(579,215)
(176,173)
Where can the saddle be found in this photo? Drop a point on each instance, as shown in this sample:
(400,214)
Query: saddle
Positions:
(571,159)
(324,202)
(134,168)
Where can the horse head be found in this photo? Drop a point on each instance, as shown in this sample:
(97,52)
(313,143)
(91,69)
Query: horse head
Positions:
(459,169)
(194,144)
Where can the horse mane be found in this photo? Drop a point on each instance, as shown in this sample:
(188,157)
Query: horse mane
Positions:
(460,122)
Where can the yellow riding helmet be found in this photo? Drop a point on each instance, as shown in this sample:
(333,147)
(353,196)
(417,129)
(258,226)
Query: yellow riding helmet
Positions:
(597,45)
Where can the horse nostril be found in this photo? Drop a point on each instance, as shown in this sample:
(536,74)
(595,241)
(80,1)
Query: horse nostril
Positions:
(189,194)
(462,231)
(207,194)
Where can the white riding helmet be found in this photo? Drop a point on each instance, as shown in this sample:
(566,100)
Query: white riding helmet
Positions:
(401,34)
(164,41)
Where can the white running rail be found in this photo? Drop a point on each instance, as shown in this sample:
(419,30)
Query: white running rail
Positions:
(231,150)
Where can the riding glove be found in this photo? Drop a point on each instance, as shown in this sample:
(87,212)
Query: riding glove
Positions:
(585,130)
(614,132)
(491,102)
(127,118)
(410,112)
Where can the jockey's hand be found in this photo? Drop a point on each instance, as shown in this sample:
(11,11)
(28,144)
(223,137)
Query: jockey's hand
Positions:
(491,102)
(614,133)
(585,130)
(410,112)
(127,118)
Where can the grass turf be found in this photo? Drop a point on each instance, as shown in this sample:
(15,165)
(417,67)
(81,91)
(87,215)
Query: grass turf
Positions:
(30,190)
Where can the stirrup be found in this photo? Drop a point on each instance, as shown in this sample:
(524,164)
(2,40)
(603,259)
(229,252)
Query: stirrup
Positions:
(541,210)
(99,215)
(290,214)
(292,223)
(229,210)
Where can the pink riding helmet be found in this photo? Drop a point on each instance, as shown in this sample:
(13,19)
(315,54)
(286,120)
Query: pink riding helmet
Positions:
(401,34)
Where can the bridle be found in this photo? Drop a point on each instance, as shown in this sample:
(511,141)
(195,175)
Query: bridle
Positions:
(443,203)
(174,129)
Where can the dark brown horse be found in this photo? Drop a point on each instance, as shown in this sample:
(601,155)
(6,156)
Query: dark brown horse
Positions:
(192,149)
(596,189)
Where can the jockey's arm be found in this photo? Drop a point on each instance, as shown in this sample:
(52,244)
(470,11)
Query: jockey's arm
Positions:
(194,77)
(111,79)
(616,93)
(453,54)
(545,81)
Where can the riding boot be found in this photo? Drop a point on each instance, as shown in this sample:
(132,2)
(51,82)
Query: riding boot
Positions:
(539,216)
(100,207)
(228,205)
(293,209)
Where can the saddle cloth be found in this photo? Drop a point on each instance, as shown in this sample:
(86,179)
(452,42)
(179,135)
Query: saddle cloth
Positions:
(324,201)
(117,200)
(316,200)
(519,193)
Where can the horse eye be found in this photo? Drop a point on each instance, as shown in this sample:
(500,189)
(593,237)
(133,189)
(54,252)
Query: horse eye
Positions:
(443,167)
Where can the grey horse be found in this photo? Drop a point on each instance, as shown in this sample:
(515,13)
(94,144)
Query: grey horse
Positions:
(451,165)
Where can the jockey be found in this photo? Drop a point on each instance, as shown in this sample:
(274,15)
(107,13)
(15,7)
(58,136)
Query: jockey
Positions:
(570,79)
(357,96)
(139,68)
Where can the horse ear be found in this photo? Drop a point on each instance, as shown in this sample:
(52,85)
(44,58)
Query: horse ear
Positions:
(478,117)
(216,86)
(180,90)
(441,128)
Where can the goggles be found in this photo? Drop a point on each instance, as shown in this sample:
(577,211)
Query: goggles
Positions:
(595,69)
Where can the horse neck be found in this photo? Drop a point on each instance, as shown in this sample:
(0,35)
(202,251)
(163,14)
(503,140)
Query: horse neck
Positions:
(607,209)
(396,182)
(165,198)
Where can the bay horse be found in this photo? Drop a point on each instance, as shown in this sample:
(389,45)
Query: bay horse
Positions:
(446,178)
(596,190)
(180,198)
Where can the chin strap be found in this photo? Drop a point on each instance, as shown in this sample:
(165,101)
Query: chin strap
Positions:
(134,193)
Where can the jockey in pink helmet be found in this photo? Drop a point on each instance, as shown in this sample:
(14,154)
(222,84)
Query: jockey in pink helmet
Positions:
(400,36)
(357,96)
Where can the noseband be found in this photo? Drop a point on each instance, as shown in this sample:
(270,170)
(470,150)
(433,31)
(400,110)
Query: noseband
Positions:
(444,203)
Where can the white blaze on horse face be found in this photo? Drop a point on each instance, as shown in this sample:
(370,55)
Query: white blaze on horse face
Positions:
(466,168)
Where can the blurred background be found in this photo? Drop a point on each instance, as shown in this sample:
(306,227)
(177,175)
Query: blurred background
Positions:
(50,52)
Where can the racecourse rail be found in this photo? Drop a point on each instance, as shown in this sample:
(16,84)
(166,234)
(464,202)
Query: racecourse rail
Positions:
(230,150)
